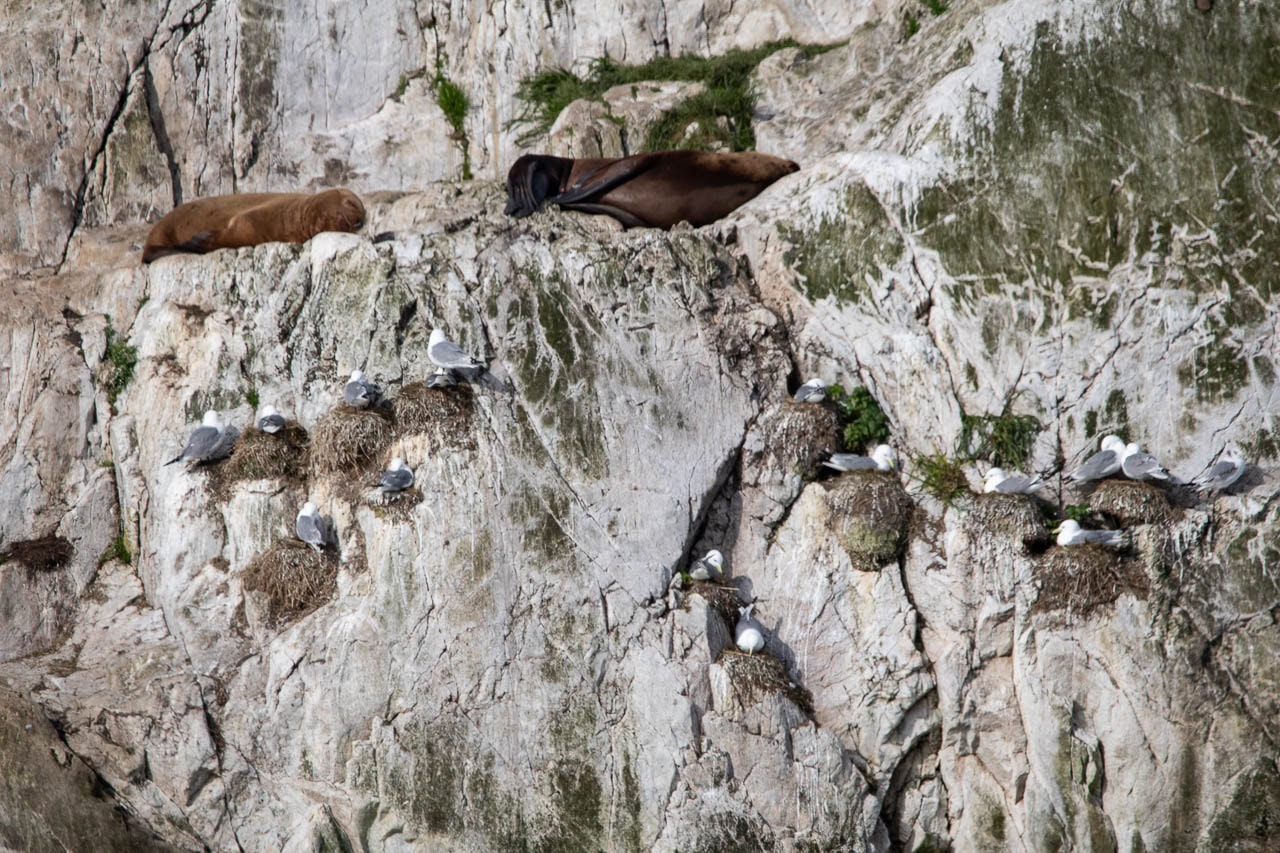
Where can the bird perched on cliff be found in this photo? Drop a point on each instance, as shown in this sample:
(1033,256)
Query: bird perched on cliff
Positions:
(881,459)
(450,358)
(1009,484)
(360,393)
(813,391)
(310,527)
(1224,473)
(748,634)
(395,479)
(1071,533)
(707,567)
(270,421)
(208,442)
(1137,465)
(1104,463)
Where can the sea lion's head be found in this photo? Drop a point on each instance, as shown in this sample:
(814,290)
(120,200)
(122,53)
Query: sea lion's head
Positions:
(533,179)
(339,210)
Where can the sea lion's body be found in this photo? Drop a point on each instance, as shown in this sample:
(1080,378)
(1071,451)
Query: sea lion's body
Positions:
(233,221)
(654,190)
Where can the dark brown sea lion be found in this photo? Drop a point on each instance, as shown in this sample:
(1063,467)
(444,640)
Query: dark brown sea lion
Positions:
(232,221)
(654,190)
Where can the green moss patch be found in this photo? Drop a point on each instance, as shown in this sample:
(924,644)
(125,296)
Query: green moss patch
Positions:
(723,112)
(294,578)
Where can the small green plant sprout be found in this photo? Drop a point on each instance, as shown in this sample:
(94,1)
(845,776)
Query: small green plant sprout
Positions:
(118,363)
(1076,512)
(862,422)
(935,7)
(1005,440)
(454,103)
(251,397)
(941,476)
(117,550)
(911,26)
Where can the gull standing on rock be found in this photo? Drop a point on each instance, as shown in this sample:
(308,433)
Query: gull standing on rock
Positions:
(813,391)
(1070,533)
(310,526)
(209,441)
(1137,465)
(1104,463)
(270,421)
(881,459)
(1224,473)
(1006,484)
(360,393)
(707,567)
(748,634)
(456,364)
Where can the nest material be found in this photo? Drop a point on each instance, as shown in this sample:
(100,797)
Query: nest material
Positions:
(870,513)
(294,578)
(46,554)
(349,439)
(722,599)
(1082,578)
(261,456)
(1016,517)
(755,677)
(1129,503)
(798,436)
(444,414)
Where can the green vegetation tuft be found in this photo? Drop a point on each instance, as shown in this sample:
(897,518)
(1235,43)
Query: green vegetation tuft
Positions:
(941,476)
(251,397)
(910,26)
(1006,440)
(117,550)
(119,361)
(862,422)
(723,112)
(1076,512)
(454,103)
(935,7)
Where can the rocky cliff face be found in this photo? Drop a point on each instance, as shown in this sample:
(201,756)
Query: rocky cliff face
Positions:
(1039,221)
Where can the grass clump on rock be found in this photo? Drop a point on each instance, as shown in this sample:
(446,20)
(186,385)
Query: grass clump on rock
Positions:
(349,439)
(870,512)
(46,554)
(1006,440)
(293,578)
(863,423)
(941,476)
(444,414)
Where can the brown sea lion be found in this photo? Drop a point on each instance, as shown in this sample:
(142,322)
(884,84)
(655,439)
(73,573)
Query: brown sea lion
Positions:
(232,221)
(654,190)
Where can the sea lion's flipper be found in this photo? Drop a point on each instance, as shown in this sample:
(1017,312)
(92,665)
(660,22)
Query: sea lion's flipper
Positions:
(198,243)
(628,219)
(597,183)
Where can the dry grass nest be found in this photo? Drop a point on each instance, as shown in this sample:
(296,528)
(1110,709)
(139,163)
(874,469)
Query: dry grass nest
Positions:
(722,599)
(1082,578)
(294,578)
(799,436)
(870,512)
(444,414)
(261,456)
(757,676)
(349,439)
(1127,503)
(46,554)
(1013,517)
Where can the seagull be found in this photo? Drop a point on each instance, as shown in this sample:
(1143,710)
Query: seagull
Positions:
(396,478)
(270,421)
(712,565)
(748,633)
(359,392)
(881,459)
(1224,473)
(1137,465)
(1070,533)
(310,526)
(450,358)
(813,391)
(209,441)
(1104,463)
(1005,484)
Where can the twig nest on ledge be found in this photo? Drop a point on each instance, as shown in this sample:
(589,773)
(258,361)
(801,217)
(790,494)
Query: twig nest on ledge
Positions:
(47,554)
(348,438)
(751,679)
(1130,503)
(870,512)
(293,579)
(1082,578)
(1014,517)
(261,456)
(443,414)
(795,438)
